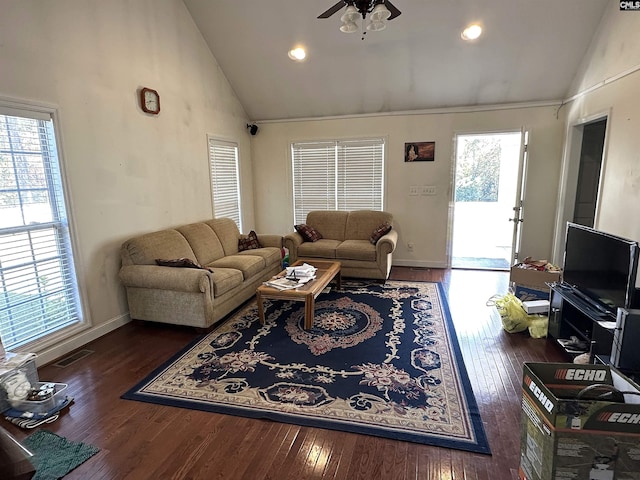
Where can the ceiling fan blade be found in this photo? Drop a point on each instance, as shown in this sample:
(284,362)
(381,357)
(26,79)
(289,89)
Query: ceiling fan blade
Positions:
(392,8)
(337,7)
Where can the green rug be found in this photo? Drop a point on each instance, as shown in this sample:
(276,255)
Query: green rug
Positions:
(55,456)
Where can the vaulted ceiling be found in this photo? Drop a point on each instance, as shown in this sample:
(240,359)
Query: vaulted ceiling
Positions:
(530,51)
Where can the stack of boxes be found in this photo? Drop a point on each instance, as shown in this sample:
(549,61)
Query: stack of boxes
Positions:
(531,278)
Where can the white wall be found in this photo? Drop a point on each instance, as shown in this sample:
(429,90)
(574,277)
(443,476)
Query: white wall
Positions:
(609,82)
(422,220)
(127,172)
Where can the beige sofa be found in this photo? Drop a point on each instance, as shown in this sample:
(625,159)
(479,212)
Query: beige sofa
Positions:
(192,296)
(345,238)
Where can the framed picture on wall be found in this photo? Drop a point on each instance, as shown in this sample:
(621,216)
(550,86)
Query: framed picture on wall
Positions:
(419,152)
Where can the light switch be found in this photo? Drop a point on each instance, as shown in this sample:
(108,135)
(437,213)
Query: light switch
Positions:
(428,190)
(414,190)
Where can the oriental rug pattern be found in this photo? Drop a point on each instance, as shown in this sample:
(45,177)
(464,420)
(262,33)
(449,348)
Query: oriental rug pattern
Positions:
(380,360)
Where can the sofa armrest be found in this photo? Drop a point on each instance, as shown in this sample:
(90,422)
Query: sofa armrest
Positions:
(166,278)
(291,242)
(267,240)
(387,243)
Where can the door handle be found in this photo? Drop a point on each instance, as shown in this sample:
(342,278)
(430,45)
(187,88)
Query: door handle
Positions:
(516,220)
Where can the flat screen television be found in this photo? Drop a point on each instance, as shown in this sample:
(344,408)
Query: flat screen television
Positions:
(601,266)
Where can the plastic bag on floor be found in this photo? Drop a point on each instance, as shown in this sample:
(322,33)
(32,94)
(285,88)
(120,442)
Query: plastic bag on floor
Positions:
(538,326)
(515,319)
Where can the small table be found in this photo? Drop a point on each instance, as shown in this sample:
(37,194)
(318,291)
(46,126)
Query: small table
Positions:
(306,293)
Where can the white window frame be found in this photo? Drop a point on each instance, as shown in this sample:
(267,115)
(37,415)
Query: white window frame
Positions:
(344,174)
(224,170)
(62,241)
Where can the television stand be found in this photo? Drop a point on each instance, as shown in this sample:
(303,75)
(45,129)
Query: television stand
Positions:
(572,315)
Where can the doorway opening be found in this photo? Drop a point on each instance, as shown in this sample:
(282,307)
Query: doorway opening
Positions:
(487,200)
(582,172)
(584,211)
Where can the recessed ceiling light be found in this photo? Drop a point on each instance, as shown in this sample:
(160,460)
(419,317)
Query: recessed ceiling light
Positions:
(298,54)
(471,32)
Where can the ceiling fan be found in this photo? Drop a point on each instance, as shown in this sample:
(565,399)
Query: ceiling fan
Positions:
(363,7)
(381,11)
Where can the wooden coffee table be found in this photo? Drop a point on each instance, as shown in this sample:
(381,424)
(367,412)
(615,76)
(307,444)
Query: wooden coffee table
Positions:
(306,293)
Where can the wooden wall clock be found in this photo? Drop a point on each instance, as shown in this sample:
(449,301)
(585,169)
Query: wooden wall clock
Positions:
(149,101)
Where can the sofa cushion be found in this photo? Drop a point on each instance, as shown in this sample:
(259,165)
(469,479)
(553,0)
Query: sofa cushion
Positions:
(379,232)
(228,233)
(271,255)
(361,223)
(248,242)
(324,248)
(204,242)
(249,265)
(144,250)
(330,223)
(225,279)
(356,250)
(309,233)
(180,263)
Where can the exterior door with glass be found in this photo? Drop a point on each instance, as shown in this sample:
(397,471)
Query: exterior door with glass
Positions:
(487,199)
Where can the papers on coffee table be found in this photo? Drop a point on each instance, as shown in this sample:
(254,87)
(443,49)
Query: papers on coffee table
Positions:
(303,273)
(294,277)
(282,283)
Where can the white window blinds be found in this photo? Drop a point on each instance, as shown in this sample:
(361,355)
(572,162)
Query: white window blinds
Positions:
(314,178)
(38,288)
(225,181)
(337,175)
(360,175)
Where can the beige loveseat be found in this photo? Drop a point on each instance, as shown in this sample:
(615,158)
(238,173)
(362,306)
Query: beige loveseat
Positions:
(193,296)
(346,238)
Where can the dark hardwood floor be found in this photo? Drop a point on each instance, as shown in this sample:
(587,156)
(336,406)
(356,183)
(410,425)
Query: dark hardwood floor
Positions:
(145,441)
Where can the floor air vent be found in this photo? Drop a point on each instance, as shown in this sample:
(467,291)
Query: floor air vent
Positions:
(74,357)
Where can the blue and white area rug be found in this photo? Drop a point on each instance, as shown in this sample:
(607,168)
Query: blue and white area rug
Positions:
(380,360)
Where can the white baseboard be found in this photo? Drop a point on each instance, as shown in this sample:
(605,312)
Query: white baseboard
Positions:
(70,344)
(419,263)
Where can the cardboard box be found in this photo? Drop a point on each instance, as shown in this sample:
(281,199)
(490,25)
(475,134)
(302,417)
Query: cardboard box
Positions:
(529,294)
(536,279)
(568,435)
(530,284)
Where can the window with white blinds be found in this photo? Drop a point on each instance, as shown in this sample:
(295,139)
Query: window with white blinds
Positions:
(38,287)
(225,181)
(337,175)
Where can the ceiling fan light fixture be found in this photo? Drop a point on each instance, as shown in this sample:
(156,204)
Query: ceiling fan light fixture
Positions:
(349,27)
(350,15)
(376,25)
(380,13)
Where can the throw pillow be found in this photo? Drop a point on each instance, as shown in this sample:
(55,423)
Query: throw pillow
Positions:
(249,242)
(379,232)
(309,233)
(180,263)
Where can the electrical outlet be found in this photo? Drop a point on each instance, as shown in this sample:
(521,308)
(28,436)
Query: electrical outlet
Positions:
(414,190)
(428,190)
